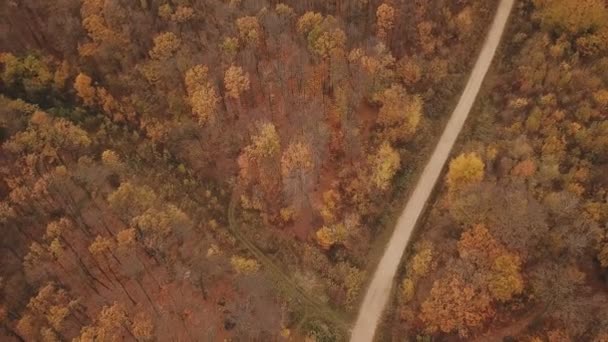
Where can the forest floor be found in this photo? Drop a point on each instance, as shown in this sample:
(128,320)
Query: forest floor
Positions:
(380,287)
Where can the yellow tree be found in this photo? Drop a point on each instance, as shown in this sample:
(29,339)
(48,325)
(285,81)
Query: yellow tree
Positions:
(201,94)
(204,103)
(400,113)
(259,165)
(158,224)
(297,166)
(131,200)
(464,170)
(236,81)
(506,279)
(196,77)
(308,21)
(249,29)
(142,327)
(385,164)
(165,45)
(572,16)
(244,265)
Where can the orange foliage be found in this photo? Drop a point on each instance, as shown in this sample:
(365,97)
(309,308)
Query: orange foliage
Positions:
(454,306)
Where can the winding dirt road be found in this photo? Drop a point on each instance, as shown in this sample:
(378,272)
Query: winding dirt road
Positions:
(379,289)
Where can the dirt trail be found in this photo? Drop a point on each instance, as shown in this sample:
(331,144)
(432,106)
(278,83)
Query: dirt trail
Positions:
(379,289)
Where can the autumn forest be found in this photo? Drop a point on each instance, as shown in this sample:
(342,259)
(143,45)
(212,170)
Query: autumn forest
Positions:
(232,170)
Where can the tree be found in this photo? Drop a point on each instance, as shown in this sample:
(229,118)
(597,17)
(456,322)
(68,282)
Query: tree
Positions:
(409,70)
(400,113)
(196,77)
(265,144)
(322,34)
(84,89)
(204,103)
(385,164)
(131,200)
(385,20)
(284,11)
(182,14)
(572,16)
(165,45)
(158,224)
(603,255)
(236,81)
(464,170)
(297,166)
(143,327)
(202,95)
(330,235)
(46,313)
(506,279)
(244,265)
(478,246)
(308,21)
(249,29)
(455,306)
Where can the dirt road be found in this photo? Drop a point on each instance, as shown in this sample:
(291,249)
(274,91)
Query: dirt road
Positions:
(379,290)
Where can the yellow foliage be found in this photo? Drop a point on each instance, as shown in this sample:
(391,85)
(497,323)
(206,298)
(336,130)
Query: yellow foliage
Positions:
(331,199)
(421,262)
(142,327)
(230,46)
(572,16)
(126,238)
(309,21)
(400,113)
(464,20)
(165,11)
(385,164)
(601,98)
(110,158)
(249,29)
(407,290)
(284,10)
(196,77)
(236,81)
(61,75)
(264,144)
(165,45)
(506,280)
(603,255)
(464,170)
(101,245)
(244,265)
(285,333)
(204,103)
(297,157)
(287,214)
(328,236)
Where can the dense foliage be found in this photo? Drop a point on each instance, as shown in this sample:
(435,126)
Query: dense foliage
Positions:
(519,234)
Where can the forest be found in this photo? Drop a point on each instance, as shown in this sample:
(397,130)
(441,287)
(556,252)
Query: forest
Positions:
(515,245)
(230,170)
